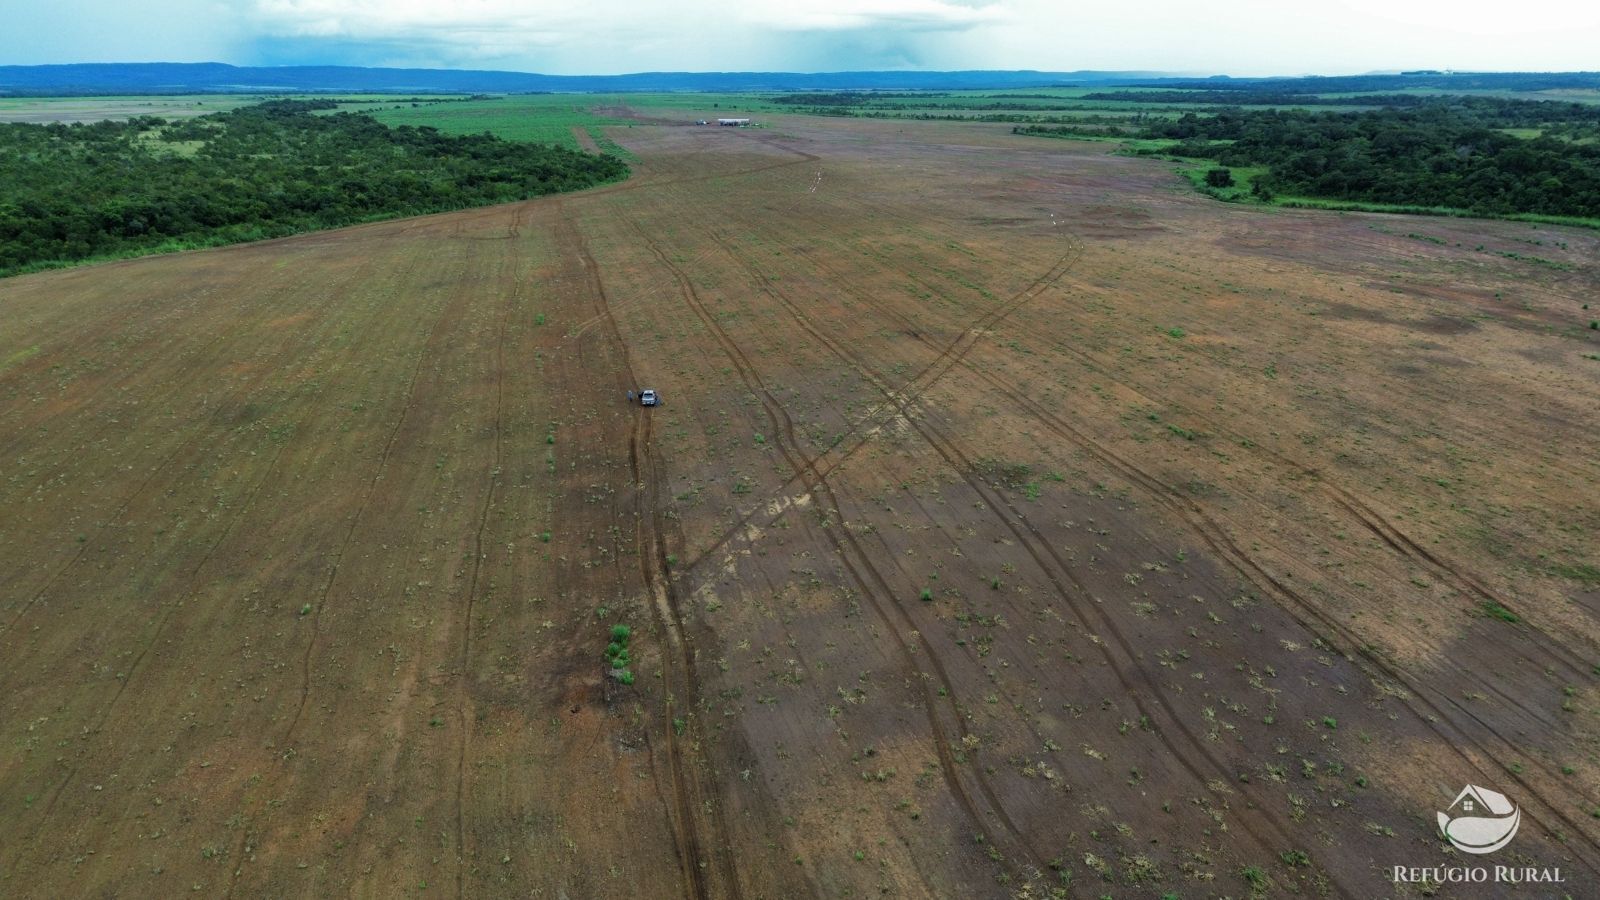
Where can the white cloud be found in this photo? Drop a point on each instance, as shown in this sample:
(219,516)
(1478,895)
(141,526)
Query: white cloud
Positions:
(1246,37)
(1249,37)
(482,27)
(842,15)
(462,20)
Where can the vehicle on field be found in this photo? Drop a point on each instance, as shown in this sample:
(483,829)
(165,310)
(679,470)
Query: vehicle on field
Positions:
(648,398)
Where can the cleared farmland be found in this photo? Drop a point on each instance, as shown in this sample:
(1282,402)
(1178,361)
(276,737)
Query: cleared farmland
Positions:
(1016,522)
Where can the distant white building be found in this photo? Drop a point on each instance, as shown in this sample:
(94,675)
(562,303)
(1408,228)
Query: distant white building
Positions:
(740,123)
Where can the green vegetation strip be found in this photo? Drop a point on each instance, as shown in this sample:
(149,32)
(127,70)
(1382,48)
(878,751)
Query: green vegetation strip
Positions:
(536,118)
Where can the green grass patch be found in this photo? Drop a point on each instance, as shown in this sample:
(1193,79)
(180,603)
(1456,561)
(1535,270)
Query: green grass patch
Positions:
(1576,571)
(18,357)
(1495,611)
(1244,179)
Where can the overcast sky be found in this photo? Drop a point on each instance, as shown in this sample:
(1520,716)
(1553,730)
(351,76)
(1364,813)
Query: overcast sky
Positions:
(567,37)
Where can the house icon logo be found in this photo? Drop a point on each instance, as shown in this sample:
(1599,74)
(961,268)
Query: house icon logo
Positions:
(1480,820)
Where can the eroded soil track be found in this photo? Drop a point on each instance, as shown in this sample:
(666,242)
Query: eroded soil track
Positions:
(1016,524)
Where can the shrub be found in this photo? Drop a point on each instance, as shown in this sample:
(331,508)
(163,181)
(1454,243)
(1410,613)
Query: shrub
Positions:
(617,653)
(1495,611)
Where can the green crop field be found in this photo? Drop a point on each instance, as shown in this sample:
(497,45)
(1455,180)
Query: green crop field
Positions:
(544,118)
(40,110)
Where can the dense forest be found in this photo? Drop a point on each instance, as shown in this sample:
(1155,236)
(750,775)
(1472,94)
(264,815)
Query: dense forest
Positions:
(1255,98)
(1404,81)
(75,192)
(1447,154)
(1482,155)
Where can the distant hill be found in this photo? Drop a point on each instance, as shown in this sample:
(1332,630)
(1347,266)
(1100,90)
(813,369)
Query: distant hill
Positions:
(161,78)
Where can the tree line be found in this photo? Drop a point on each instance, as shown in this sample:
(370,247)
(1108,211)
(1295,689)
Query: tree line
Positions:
(76,192)
(1404,81)
(1444,154)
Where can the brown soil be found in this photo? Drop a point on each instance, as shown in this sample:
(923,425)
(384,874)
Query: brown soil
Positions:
(585,139)
(1016,521)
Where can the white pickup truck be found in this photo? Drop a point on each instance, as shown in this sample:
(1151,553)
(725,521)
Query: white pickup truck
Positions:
(648,398)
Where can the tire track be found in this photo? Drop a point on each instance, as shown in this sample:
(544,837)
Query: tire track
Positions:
(161,625)
(1245,565)
(689,791)
(687,837)
(1241,562)
(1457,576)
(1396,539)
(859,565)
(1226,549)
(1041,551)
(1380,526)
(886,411)
(166,616)
(464,702)
(429,349)
(184,376)
(1305,613)
(194,360)
(84,545)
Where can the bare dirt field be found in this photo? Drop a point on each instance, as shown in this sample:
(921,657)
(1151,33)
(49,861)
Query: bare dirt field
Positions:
(42,110)
(1017,523)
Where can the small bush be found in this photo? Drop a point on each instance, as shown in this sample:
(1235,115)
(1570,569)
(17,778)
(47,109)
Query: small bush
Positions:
(617,653)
